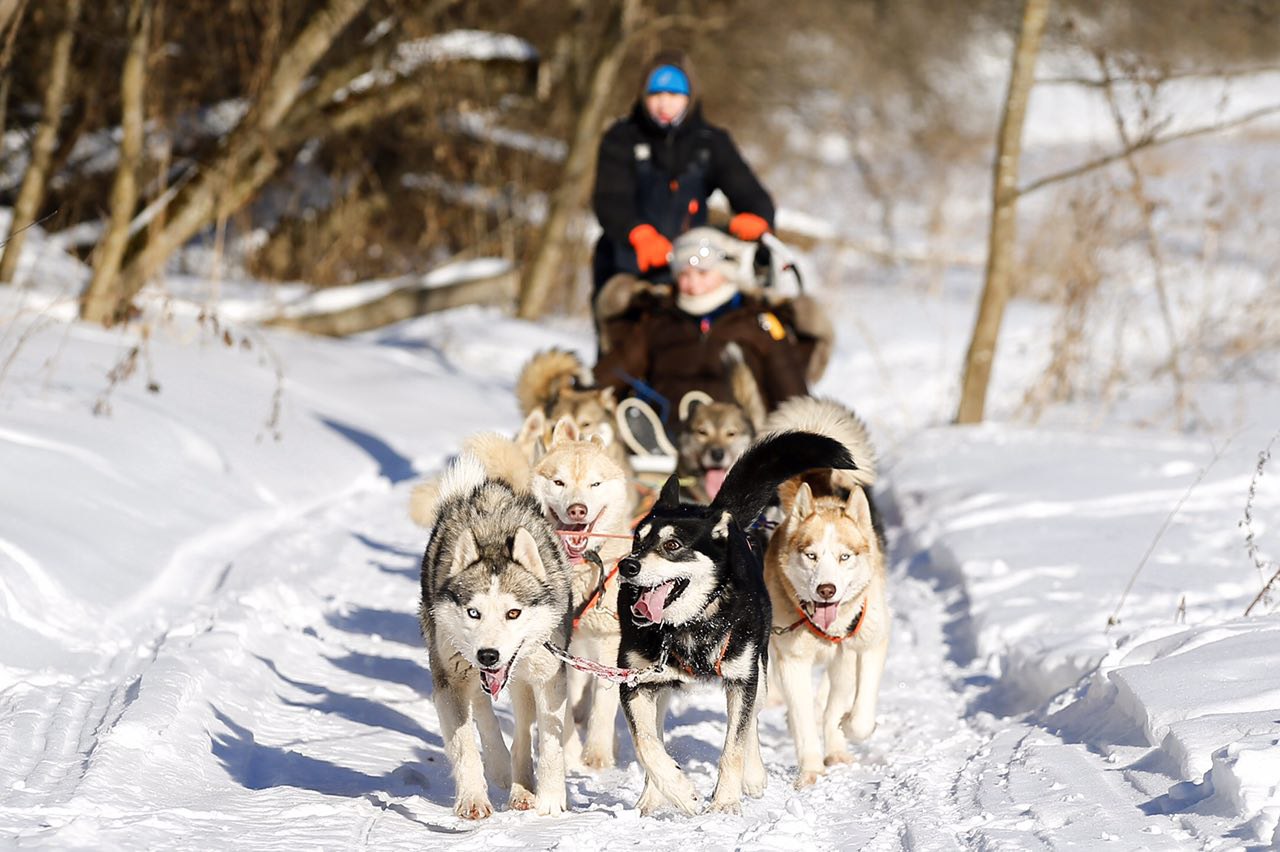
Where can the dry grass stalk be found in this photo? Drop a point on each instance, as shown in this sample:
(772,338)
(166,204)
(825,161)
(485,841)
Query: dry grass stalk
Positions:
(1251,538)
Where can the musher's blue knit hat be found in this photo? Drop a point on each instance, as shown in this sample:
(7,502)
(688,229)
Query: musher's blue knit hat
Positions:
(667,78)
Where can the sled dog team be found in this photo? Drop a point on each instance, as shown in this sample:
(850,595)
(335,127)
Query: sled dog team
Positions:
(537,557)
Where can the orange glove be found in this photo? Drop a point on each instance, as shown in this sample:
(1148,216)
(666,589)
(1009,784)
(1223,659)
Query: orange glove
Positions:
(748,226)
(652,249)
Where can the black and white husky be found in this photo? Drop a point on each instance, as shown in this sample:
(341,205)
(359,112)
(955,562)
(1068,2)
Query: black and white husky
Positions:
(694,607)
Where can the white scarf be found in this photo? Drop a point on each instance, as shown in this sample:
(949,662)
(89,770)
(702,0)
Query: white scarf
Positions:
(707,302)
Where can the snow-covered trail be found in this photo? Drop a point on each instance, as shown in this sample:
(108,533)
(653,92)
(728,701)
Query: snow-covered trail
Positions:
(289,707)
(239,662)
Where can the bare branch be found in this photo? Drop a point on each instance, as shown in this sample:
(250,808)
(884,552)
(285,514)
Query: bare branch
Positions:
(1138,187)
(1143,143)
(1151,77)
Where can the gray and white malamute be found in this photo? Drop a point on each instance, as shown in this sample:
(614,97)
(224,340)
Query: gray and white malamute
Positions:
(694,604)
(495,587)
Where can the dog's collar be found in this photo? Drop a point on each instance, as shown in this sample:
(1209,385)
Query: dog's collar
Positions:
(818,631)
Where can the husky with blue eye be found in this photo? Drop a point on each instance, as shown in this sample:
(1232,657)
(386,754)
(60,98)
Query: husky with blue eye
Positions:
(694,607)
(495,588)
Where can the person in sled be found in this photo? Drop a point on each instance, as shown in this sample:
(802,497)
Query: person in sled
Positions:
(660,343)
(655,170)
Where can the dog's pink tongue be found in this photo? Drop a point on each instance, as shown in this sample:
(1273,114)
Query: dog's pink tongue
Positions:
(654,601)
(493,681)
(712,481)
(824,615)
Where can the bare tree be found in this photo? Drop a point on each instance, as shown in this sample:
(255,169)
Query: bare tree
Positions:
(34,181)
(8,11)
(11,12)
(1004,199)
(100,298)
(1146,210)
(548,260)
(250,156)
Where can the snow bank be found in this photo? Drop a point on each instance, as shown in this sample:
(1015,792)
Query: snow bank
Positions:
(1041,532)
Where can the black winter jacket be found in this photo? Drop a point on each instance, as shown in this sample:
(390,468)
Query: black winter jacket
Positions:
(662,176)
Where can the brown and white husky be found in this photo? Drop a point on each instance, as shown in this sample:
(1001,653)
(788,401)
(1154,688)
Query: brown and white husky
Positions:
(825,571)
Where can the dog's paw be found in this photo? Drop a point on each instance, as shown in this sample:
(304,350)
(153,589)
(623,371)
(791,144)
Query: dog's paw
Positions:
(521,799)
(593,758)
(726,806)
(552,804)
(473,807)
(807,779)
(837,758)
(684,796)
(650,800)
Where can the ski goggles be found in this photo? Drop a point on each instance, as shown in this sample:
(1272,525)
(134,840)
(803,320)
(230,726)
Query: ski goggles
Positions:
(703,254)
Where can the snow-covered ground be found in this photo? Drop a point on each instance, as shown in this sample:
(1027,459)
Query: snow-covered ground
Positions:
(208,635)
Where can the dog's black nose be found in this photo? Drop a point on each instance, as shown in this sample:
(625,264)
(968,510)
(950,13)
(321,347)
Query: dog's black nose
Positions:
(827,591)
(717,454)
(488,657)
(578,513)
(628,567)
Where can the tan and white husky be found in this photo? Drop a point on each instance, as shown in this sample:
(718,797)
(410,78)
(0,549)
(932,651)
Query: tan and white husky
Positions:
(826,577)
(587,496)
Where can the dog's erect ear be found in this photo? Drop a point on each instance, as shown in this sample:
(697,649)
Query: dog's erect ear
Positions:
(566,430)
(670,495)
(524,551)
(802,507)
(464,552)
(608,399)
(721,529)
(600,440)
(533,427)
(858,508)
(689,403)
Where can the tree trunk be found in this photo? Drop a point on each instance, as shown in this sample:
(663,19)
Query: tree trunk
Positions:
(1004,199)
(251,153)
(31,194)
(547,265)
(11,12)
(101,299)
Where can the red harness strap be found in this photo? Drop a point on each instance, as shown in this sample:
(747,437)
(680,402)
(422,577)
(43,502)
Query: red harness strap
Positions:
(688,669)
(595,598)
(818,631)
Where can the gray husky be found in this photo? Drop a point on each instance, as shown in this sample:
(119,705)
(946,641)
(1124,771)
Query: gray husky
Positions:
(495,587)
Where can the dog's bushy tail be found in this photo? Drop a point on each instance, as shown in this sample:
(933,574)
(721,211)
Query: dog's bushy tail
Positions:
(487,455)
(545,375)
(771,461)
(830,418)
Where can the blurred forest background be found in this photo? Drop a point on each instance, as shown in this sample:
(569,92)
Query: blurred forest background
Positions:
(337,141)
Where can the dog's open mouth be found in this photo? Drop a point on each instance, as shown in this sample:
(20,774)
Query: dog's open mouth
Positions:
(713,479)
(576,537)
(824,614)
(654,601)
(492,680)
